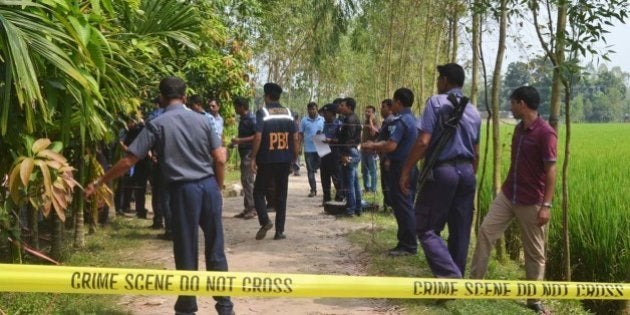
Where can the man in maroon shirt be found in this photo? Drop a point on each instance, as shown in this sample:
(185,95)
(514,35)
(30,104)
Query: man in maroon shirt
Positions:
(526,193)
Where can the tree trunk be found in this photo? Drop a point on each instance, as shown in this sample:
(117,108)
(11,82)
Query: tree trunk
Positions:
(496,132)
(476,38)
(388,61)
(79,229)
(556,85)
(455,34)
(33,225)
(56,237)
(565,186)
(496,89)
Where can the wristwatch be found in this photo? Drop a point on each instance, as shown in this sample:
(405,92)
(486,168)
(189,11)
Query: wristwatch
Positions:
(546,205)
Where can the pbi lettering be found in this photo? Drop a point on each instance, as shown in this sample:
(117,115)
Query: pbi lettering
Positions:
(599,290)
(93,280)
(434,288)
(267,285)
(278,141)
(219,283)
(148,282)
(487,289)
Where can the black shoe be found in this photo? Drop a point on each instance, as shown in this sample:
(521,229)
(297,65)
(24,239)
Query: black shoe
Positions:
(358,214)
(397,252)
(262,232)
(241,215)
(279,236)
(166,236)
(538,308)
(312,194)
(156,226)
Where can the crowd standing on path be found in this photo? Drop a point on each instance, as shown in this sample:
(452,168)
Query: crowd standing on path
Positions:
(181,144)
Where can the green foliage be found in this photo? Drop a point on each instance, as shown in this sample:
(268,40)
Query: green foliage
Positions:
(598,95)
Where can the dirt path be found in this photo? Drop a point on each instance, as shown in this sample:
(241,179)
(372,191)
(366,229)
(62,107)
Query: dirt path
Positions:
(315,244)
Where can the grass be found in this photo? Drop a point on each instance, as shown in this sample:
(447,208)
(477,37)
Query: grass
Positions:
(108,247)
(381,236)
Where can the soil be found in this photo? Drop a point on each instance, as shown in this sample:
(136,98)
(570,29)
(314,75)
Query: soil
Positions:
(315,244)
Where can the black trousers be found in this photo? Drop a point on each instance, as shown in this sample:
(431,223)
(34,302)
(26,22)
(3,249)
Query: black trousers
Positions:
(330,170)
(278,173)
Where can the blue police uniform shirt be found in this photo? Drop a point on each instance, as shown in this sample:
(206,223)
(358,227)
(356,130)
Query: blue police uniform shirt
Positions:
(383,133)
(246,128)
(331,129)
(183,140)
(276,125)
(403,131)
(467,135)
(309,127)
(154,114)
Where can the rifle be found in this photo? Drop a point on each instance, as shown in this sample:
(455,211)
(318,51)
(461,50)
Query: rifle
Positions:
(449,128)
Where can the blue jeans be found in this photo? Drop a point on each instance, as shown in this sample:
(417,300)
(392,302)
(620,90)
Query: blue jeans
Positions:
(312,164)
(197,204)
(351,181)
(368,170)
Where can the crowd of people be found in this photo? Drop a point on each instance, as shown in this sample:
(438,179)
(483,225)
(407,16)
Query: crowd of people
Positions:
(183,144)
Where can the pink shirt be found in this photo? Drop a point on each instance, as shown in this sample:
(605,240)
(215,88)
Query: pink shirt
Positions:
(531,148)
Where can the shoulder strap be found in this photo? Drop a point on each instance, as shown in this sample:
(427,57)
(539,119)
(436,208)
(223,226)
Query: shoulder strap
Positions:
(458,110)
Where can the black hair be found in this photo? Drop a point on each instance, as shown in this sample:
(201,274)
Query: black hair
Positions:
(311,105)
(337,101)
(272,90)
(371,107)
(527,94)
(453,73)
(173,88)
(388,102)
(405,96)
(350,102)
(195,99)
(241,102)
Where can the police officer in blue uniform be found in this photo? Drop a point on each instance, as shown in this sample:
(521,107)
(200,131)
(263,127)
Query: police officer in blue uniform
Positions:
(384,163)
(403,133)
(192,163)
(275,146)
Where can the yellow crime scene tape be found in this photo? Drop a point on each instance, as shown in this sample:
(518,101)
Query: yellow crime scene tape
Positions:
(61,279)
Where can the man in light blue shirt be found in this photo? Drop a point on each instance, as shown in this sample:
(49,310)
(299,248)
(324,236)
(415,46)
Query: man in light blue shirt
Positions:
(309,127)
(216,117)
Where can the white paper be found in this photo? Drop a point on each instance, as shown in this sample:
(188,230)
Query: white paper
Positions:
(322,148)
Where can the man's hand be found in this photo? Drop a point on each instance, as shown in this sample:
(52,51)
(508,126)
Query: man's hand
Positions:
(235,141)
(253,166)
(543,215)
(345,160)
(404,183)
(90,189)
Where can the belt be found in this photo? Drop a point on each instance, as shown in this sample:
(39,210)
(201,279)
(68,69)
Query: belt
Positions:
(454,161)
